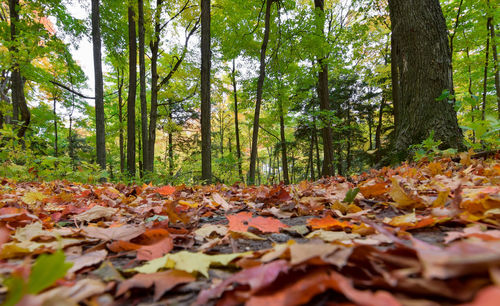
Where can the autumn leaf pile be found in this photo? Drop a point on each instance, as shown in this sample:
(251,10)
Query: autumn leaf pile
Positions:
(421,234)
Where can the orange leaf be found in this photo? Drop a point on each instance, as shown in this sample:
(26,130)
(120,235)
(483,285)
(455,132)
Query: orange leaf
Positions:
(243,220)
(327,222)
(123,246)
(155,250)
(373,188)
(166,190)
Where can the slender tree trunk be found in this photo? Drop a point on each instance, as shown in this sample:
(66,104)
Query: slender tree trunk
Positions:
(206,158)
(131,93)
(396,98)
(284,160)
(422,56)
(236,123)
(55,127)
(473,109)
(378,131)
(311,156)
(452,36)
(324,101)
(486,63)
(495,63)
(260,85)
(99,86)
(370,126)
(19,104)
(147,165)
(349,142)
(120,119)
(316,143)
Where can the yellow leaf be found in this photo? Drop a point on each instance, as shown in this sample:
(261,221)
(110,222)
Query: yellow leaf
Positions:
(401,197)
(186,203)
(189,262)
(403,220)
(32,198)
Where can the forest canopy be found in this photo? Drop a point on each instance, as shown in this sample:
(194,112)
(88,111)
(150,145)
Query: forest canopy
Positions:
(257,91)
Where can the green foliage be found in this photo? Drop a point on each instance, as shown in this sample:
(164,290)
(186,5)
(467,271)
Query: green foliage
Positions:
(429,149)
(46,270)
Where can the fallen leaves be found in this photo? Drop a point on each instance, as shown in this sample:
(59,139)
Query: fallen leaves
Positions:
(415,234)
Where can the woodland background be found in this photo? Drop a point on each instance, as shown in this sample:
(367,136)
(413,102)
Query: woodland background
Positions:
(148,112)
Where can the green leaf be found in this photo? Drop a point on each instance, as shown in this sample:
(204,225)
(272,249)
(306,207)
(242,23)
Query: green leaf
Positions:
(16,287)
(351,194)
(445,94)
(47,270)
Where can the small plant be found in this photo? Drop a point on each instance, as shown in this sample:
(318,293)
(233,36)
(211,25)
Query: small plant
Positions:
(429,149)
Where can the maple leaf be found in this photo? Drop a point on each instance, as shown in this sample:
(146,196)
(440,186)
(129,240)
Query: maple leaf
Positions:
(96,212)
(187,261)
(243,220)
(166,190)
(327,222)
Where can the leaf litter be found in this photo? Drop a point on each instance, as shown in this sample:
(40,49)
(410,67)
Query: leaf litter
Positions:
(417,234)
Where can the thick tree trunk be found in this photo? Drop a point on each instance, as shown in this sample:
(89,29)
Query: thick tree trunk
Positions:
(120,119)
(131,93)
(19,104)
(99,86)
(324,102)
(260,85)
(147,165)
(422,56)
(206,158)
(236,123)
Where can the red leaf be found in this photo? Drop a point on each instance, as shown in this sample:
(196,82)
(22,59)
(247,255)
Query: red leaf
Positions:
(243,220)
(166,190)
(328,222)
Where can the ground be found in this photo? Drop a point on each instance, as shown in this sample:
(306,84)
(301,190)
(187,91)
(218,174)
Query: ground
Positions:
(418,234)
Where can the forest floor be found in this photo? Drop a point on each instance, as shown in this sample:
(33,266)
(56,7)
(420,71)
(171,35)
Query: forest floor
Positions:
(418,234)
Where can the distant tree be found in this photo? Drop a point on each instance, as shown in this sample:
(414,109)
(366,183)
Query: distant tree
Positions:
(421,59)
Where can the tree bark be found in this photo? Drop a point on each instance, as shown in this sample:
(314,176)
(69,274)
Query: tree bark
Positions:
(19,105)
(486,64)
(55,127)
(422,57)
(147,165)
(120,119)
(131,92)
(324,102)
(153,112)
(99,86)
(206,158)
(495,62)
(378,131)
(236,123)
(260,84)
(284,159)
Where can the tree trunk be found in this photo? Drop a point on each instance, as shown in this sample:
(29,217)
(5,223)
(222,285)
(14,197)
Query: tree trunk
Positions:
(19,104)
(55,127)
(120,119)
(260,84)
(348,153)
(147,165)
(470,93)
(131,93)
(236,122)
(99,87)
(311,156)
(378,131)
(486,63)
(284,160)
(324,101)
(495,63)
(316,143)
(422,56)
(396,98)
(206,158)
(153,112)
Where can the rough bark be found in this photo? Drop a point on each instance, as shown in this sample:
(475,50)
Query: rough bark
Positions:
(131,93)
(153,112)
(486,64)
(284,159)
(260,84)
(236,123)
(147,166)
(324,103)
(55,126)
(206,158)
(19,104)
(120,119)
(99,86)
(422,56)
